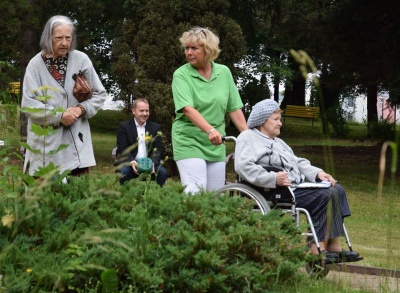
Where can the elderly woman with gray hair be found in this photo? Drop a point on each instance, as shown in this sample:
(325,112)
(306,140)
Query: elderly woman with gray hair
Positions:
(259,147)
(50,73)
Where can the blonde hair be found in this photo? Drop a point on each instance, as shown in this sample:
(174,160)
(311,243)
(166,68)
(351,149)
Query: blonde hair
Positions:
(204,37)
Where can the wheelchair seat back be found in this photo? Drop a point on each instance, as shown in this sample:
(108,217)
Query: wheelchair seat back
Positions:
(279,197)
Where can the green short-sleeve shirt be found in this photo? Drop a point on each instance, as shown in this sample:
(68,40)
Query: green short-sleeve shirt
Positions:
(213,99)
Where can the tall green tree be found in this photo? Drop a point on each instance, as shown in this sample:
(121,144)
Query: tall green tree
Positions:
(266,53)
(134,43)
(147,50)
(353,43)
(365,36)
(20,27)
(23,21)
(98,23)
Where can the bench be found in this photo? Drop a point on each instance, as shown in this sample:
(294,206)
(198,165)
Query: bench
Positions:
(307,112)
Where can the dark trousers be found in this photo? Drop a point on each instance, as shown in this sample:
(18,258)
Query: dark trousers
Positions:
(79,171)
(161,174)
(327,208)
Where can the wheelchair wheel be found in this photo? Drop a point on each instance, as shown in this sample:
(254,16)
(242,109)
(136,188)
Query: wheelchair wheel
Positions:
(238,189)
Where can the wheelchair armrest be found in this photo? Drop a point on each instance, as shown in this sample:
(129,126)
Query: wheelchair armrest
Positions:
(273,169)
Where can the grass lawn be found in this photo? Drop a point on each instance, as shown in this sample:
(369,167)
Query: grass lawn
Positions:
(374,226)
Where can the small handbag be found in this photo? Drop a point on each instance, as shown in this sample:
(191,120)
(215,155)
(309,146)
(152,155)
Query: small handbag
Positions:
(145,165)
(82,90)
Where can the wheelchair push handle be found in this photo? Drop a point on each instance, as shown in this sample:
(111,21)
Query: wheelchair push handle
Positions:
(228,138)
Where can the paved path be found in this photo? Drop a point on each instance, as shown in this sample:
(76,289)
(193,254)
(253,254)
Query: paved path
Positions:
(369,279)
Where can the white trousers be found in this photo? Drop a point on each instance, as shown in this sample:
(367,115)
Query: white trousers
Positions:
(198,174)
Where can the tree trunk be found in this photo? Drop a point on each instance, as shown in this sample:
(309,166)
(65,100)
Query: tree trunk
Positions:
(295,94)
(372,98)
(372,109)
(265,92)
(276,90)
(28,41)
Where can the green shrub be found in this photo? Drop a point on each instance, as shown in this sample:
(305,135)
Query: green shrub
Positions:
(9,114)
(337,118)
(382,130)
(93,234)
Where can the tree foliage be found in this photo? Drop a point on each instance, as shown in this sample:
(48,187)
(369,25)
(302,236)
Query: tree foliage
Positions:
(353,43)
(371,36)
(134,44)
(147,50)
(22,23)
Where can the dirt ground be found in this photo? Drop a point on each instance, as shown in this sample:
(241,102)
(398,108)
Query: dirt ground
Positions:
(364,279)
(363,154)
(358,157)
(367,283)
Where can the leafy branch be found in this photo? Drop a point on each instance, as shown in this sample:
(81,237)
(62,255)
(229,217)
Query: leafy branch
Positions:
(42,94)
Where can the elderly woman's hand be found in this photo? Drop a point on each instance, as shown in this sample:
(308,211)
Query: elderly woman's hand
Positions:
(326,177)
(282,179)
(68,118)
(71,115)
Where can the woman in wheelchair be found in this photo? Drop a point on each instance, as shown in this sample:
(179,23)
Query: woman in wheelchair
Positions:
(259,147)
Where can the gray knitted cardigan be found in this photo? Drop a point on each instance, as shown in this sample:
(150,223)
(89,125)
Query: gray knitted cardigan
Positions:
(254,151)
(79,152)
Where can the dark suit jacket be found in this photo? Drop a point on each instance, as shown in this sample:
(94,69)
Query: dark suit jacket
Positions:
(127,142)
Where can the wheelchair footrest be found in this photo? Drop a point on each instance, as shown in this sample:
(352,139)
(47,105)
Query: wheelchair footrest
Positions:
(351,259)
(334,258)
(342,259)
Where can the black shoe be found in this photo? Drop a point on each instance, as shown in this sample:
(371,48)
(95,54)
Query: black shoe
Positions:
(345,255)
(348,253)
(330,257)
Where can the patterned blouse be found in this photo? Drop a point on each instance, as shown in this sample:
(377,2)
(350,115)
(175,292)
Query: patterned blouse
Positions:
(57,68)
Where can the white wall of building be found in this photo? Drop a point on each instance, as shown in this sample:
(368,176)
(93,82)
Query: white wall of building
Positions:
(356,108)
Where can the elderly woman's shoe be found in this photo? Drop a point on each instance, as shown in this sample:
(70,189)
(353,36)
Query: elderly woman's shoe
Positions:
(330,257)
(345,255)
(349,253)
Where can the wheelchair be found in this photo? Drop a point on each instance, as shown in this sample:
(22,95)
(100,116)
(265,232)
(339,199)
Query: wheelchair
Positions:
(282,198)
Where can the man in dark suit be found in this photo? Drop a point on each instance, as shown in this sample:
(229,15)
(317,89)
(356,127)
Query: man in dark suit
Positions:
(139,138)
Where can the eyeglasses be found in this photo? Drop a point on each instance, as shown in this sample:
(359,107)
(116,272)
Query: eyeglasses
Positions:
(199,30)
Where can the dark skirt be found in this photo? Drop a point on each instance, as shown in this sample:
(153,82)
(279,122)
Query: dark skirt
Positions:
(327,208)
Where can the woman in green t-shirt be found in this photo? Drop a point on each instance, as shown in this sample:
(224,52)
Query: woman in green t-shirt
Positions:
(203,92)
